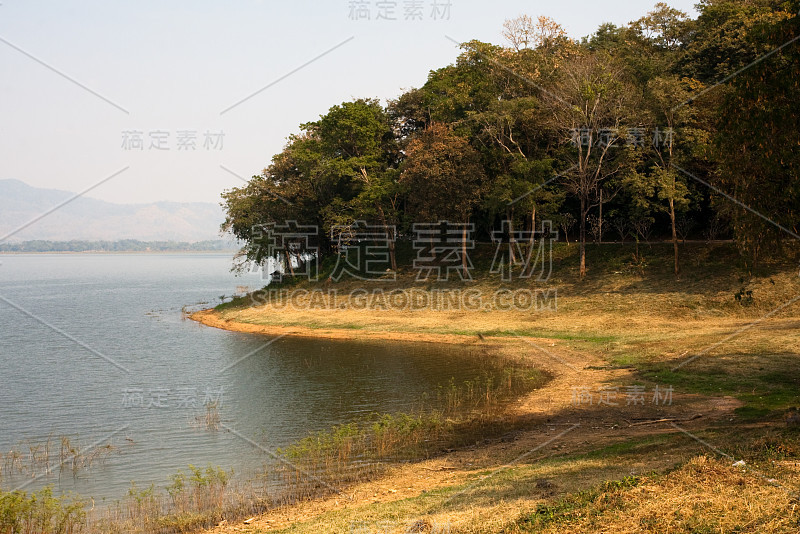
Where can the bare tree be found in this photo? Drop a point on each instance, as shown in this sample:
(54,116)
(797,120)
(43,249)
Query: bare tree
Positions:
(620,224)
(588,104)
(567,222)
(715,226)
(524,32)
(684,225)
(595,228)
(642,228)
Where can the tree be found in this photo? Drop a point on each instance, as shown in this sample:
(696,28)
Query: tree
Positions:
(589,104)
(671,121)
(484,137)
(664,27)
(759,161)
(451,94)
(720,41)
(443,176)
(639,191)
(524,32)
(283,192)
(339,169)
(358,143)
(515,157)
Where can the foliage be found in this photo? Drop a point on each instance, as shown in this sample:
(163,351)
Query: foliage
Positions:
(31,513)
(541,129)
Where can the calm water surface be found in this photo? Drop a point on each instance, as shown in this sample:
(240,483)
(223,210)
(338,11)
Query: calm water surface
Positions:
(94,347)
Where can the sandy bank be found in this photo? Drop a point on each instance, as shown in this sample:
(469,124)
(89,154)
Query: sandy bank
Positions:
(214,319)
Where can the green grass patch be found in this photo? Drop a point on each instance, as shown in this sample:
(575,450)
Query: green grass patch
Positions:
(765,392)
(607,496)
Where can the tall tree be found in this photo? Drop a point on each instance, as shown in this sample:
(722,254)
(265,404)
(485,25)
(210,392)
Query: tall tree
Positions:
(590,105)
(672,125)
(359,145)
(757,141)
(443,175)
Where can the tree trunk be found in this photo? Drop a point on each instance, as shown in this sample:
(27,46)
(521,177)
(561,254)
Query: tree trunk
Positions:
(600,220)
(289,262)
(672,212)
(392,256)
(511,239)
(533,226)
(464,253)
(384,223)
(582,236)
(674,233)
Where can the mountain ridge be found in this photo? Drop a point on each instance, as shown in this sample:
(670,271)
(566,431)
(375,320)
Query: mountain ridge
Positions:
(91,219)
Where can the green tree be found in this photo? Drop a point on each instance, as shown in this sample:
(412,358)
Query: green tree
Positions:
(757,147)
(443,176)
(671,122)
(720,41)
(359,145)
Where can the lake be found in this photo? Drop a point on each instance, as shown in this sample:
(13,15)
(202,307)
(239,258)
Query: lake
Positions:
(95,348)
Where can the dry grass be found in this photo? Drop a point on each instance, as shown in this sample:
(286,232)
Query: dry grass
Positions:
(614,489)
(705,495)
(614,308)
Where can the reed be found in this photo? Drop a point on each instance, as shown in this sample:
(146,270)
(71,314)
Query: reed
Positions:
(196,499)
(210,420)
(459,414)
(38,459)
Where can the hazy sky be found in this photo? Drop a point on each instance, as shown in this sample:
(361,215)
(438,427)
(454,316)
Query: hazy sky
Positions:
(79,79)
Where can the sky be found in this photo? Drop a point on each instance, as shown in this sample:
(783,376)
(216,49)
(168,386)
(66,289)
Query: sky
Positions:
(149,100)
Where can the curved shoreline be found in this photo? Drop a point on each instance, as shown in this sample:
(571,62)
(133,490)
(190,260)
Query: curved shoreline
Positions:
(210,317)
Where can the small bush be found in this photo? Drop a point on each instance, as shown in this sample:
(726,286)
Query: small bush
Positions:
(34,513)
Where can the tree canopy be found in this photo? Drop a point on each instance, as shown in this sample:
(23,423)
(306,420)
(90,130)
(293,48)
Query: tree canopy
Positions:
(667,127)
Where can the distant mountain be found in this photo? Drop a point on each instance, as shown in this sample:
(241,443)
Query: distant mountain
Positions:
(123,245)
(90,219)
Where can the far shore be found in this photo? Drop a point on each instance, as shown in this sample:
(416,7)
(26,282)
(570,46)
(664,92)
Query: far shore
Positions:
(109,252)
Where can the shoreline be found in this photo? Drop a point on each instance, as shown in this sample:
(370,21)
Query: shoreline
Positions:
(411,478)
(210,317)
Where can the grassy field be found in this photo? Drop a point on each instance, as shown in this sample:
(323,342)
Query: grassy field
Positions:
(722,341)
